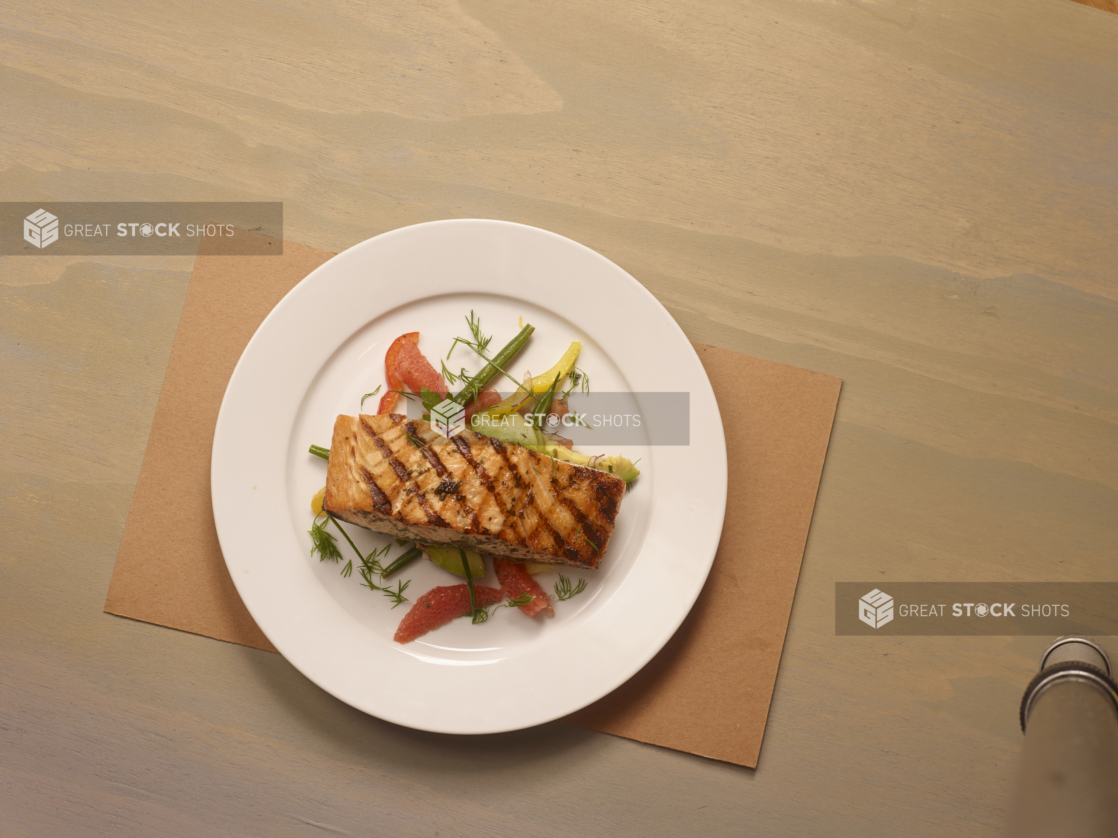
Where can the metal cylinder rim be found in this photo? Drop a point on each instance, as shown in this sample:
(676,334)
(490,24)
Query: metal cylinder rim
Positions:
(1077,638)
(1069,670)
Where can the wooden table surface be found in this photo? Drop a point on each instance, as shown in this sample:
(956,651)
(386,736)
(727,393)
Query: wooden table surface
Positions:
(921,198)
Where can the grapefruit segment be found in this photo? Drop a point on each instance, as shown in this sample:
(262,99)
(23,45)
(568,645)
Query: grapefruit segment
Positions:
(516,580)
(391,368)
(439,606)
(416,371)
(485,399)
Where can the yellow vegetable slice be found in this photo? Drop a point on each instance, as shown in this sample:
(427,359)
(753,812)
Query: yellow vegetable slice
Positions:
(316,501)
(540,383)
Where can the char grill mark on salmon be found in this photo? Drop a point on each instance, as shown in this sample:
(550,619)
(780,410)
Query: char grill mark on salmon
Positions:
(400,477)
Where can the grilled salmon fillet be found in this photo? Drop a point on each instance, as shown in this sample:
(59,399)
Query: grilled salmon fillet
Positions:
(398,476)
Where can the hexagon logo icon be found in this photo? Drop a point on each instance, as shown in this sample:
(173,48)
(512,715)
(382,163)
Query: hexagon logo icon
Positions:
(40,228)
(448,418)
(875,609)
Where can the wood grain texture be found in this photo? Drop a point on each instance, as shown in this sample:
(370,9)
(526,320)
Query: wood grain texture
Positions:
(919,198)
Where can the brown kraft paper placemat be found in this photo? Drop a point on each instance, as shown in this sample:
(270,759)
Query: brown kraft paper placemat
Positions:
(707,692)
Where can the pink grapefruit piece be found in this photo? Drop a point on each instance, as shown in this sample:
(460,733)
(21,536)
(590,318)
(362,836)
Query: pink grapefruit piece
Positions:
(515,580)
(485,399)
(417,372)
(392,371)
(439,606)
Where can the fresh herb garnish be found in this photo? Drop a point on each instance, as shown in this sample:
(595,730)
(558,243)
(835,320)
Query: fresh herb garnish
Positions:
(588,541)
(577,378)
(477,615)
(372,557)
(370,566)
(323,542)
(362,407)
(564,591)
(523,598)
(429,398)
(448,376)
(479,343)
(416,441)
(325,545)
(397,596)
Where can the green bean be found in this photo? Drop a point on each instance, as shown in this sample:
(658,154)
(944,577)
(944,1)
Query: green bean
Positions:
(543,406)
(319,451)
(404,559)
(500,360)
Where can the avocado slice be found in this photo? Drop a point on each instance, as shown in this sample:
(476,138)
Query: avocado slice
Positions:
(447,557)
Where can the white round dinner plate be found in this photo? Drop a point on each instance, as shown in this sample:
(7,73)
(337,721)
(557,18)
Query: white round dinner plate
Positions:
(323,347)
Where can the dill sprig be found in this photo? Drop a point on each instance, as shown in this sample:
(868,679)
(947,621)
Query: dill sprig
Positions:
(588,541)
(369,566)
(397,596)
(564,591)
(522,598)
(323,543)
(454,378)
(577,378)
(416,441)
(479,344)
(377,390)
(373,567)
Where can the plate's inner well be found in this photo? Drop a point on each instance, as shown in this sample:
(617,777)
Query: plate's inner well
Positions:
(357,368)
